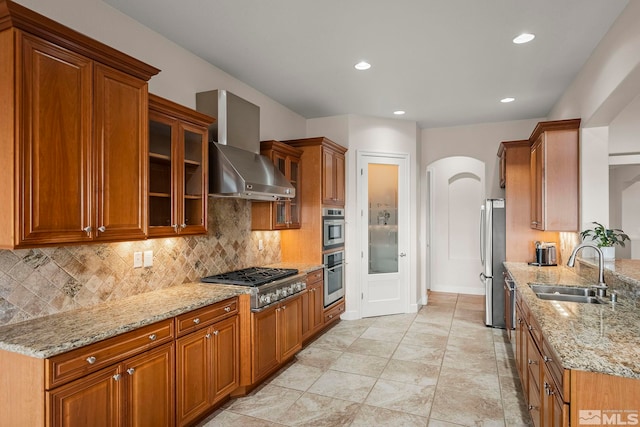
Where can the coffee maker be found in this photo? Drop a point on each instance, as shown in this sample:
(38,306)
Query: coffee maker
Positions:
(546,254)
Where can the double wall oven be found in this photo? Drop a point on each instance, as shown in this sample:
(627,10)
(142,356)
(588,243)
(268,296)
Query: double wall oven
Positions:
(333,231)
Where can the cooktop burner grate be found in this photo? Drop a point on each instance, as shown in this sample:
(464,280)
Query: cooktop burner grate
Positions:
(252,276)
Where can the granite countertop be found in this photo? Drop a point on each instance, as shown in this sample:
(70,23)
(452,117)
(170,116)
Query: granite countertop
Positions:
(58,333)
(602,338)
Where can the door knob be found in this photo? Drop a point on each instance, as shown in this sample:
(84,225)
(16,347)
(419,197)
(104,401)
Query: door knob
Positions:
(402,254)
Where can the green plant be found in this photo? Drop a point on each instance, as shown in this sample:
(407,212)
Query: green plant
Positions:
(604,237)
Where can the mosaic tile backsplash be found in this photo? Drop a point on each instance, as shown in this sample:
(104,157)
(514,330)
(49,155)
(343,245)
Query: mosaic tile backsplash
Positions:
(38,282)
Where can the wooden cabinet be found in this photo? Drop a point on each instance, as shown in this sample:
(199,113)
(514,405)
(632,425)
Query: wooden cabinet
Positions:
(322,182)
(281,214)
(178,171)
(333,312)
(207,358)
(276,336)
(313,305)
(333,180)
(555,166)
(207,368)
(124,380)
(73,135)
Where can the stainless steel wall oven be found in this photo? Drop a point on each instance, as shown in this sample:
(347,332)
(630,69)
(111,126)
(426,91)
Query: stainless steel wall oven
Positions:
(332,228)
(333,277)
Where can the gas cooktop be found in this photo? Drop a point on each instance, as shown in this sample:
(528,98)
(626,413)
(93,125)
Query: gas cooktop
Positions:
(252,276)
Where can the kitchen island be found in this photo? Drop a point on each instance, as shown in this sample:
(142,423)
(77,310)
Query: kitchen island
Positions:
(576,358)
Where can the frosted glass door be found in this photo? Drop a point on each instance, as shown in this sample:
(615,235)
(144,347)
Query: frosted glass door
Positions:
(383,218)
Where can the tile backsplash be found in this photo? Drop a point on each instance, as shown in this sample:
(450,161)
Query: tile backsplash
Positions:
(42,281)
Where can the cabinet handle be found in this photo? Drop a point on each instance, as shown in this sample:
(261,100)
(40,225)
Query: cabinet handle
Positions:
(547,358)
(227,309)
(152,337)
(207,336)
(532,362)
(532,408)
(284,307)
(102,229)
(196,320)
(117,377)
(175,227)
(91,360)
(331,316)
(88,230)
(216,333)
(130,371)
(183,225)
(530,327)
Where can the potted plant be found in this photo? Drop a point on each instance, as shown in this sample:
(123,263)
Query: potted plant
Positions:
(605,238)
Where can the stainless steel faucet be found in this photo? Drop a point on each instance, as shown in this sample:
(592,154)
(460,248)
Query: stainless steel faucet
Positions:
(601,286)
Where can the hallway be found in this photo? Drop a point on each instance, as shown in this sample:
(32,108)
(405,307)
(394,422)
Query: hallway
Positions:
(440,367)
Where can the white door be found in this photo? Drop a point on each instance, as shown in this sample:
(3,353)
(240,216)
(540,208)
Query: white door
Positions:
(383,202)
(456,192)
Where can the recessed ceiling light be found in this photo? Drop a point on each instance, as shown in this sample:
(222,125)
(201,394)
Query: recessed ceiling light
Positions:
(398,112)
(524,38)
(362,65)
(507,100)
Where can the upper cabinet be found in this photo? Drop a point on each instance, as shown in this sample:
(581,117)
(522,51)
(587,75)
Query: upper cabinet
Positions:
(285,213)
(554,169)
(331,167)
(178,155)
(73,133)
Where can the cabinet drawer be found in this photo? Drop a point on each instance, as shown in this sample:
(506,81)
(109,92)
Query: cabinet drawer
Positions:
(205,316)
(314,276)
(76,363)
(557,372)
(534,328)
(334,312)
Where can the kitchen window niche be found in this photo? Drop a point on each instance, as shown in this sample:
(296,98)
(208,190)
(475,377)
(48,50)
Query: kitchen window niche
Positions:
(177,169)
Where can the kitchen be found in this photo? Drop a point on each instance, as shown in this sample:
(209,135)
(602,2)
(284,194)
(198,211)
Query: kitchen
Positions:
(92,281)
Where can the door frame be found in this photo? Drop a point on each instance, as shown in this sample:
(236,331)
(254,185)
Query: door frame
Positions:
(361,204)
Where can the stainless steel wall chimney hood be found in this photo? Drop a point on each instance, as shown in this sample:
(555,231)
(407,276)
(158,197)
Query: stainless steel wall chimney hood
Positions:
(236,168)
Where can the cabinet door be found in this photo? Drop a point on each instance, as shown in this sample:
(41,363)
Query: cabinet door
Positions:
(521,346)
(90,401)
(328,178)
(339,179)
(55,145)
(192,212)
(121,158)
(290,328)
(265,342)
(293,175)
(537,184)
(193,375)
(162,169)
(316,303)
(226,371)
(149,388)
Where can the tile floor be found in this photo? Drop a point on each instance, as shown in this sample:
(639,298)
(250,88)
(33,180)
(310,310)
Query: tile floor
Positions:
(440,367)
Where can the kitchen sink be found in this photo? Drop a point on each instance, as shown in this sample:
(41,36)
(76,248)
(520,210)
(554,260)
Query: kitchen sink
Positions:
(566,293)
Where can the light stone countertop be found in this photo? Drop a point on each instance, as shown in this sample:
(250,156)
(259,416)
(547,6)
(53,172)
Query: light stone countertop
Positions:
(602,338)
(58,333)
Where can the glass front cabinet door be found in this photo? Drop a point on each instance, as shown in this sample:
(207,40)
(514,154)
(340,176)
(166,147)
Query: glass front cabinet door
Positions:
(177,169)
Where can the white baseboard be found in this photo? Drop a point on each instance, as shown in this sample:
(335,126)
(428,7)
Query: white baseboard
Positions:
(457,289)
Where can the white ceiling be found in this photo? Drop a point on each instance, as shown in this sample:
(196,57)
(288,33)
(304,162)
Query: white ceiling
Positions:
(445,62)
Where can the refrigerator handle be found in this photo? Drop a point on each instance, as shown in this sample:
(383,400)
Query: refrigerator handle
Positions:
(482,234)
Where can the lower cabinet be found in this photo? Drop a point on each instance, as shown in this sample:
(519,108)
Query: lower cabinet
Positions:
(313,305)
(276,334)
(136,392)
(207,368)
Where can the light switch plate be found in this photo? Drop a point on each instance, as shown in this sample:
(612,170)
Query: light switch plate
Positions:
(148,258)
(137,259)
(260,245)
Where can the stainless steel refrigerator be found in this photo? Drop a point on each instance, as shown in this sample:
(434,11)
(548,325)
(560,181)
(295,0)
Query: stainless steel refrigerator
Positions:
(492,255)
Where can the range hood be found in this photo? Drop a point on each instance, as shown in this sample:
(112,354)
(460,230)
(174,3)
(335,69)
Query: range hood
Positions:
(236,167)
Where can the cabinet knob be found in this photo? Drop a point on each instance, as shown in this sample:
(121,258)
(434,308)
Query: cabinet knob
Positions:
(227,309)
(532,362)
(175,227)
(530,327)
(102,229)
(130,371)
(183,225)
(546,358)
(152,337)
(196,320)
(532,408)
(117,377)
(91,360)
(88,230)
(216,333)
(331,316)
(207,336)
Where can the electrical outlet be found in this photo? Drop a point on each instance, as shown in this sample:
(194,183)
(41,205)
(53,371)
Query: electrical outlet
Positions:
(137,259)
(148,258)
(260,245)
